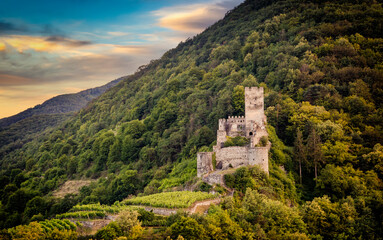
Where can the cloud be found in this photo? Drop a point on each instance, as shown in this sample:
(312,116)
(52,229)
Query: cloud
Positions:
(118,34)
(30,60)
(18,27)
(40,43)
(67,41)
(7,27)
(193,18)
(11,80)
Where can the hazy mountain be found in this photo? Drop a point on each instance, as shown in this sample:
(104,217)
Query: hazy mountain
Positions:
(60,104)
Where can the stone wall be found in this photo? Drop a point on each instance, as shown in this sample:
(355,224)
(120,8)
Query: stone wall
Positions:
(204,163)
(234,156)
(260,156)
(214,178)
(221,137)
(260,132)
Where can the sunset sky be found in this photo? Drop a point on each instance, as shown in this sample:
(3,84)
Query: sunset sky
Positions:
(64,46)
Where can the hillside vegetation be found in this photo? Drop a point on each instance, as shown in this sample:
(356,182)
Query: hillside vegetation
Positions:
(19,129)
(321,65)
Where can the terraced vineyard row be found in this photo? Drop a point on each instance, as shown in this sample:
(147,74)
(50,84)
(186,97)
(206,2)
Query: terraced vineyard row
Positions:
(82,214)
(181,199)
(93,211)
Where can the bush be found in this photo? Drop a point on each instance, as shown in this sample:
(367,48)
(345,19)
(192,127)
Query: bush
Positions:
(263,141)
(236,141)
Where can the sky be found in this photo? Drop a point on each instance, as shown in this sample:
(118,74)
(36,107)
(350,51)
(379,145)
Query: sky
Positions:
(52,47)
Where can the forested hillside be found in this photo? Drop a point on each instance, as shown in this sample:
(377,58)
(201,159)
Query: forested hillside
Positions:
(17,130)
(321,65)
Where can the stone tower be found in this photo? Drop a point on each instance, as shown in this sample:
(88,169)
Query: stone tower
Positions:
(254,113)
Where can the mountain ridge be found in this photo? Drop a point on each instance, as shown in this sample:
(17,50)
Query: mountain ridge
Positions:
(63,103)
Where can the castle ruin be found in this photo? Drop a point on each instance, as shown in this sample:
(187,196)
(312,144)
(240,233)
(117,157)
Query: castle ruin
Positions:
(251,126)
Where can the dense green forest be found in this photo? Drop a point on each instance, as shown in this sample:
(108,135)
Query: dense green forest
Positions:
(17,130)
(321,64)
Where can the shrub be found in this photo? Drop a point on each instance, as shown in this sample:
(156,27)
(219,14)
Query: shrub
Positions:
(263,141)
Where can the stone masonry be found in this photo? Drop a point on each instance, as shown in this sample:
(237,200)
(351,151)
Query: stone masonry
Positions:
(251,126)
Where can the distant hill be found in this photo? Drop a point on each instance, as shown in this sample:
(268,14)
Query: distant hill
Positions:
(19,129)
(60,104)
(14,136)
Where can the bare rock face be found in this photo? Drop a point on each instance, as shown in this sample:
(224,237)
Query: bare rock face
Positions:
(251,126)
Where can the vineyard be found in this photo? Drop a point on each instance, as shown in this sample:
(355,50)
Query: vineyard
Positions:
(181,199)
(82,215)
(50,225)
(48,229)
(93,211)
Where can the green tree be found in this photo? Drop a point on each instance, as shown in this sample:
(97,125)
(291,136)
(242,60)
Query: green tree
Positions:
(35,206)
(129,224)
(314,148)
(221,226)
(238,100)
(300,153)
(188,228)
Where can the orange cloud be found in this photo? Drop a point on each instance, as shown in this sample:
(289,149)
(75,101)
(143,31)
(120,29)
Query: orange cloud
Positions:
(192,18)
(11,80)
(39,44)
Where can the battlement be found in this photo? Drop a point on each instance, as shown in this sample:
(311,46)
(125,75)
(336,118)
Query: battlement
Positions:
(254,89)
(236,119)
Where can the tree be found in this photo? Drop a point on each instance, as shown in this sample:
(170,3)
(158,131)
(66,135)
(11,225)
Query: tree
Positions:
(238,100)
(300,153)
(331,220)
(221,226)
(33,231)
(109,232)
(188,228)
(129,224)
(314,148)
(35,206)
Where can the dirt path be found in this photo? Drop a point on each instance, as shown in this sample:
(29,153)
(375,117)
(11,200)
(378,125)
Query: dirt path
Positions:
(202,206)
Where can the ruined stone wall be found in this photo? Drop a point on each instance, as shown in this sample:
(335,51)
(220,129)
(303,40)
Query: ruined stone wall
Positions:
(236,156)
(260,132)
(214,178)
(260,156)
(204,163)
(221,138)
